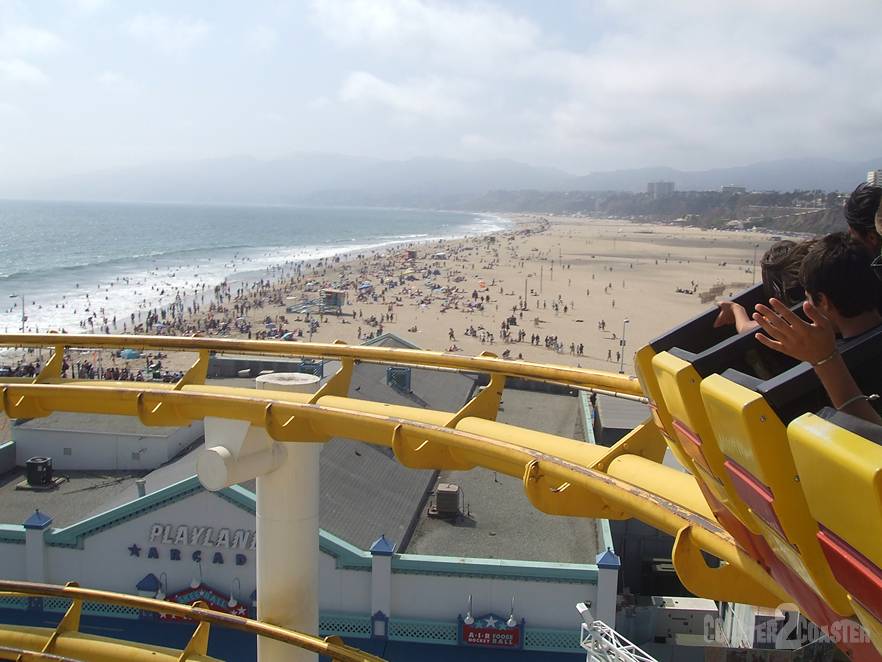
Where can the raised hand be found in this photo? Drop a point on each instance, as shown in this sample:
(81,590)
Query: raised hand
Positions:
(786,332)
(733,313)
(727,313)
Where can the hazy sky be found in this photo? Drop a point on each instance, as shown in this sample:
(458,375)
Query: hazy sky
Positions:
(91,84)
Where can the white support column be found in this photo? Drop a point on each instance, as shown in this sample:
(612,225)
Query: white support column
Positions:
(381,585)
(608,565)
(286,518)
(35,546)
(288,536)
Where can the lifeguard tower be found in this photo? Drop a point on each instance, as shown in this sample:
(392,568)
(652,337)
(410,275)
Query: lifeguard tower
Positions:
(332,301)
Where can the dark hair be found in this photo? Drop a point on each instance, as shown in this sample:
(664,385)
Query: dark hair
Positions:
(780,268)
(861,206)
(838,266)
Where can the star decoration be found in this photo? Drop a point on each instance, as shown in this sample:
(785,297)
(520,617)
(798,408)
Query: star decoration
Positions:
(134,550)
(491,622)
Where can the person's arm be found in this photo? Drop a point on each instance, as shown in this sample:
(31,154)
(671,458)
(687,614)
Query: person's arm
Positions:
(734,313)
(814,342)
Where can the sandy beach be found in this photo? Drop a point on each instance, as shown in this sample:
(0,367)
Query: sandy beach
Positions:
(582,277)
(549,289)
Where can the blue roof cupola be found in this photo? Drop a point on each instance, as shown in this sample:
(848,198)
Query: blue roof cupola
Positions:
(383,547)
(37,521)
(608,560)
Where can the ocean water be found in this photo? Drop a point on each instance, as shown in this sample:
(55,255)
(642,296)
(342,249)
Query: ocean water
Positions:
(69,259)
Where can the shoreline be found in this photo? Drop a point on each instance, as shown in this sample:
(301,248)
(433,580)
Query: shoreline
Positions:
(276,272)
(574,320)
(153,285)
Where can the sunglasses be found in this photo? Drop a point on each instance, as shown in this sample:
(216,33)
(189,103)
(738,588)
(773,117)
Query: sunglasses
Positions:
(794,293)
(876,266)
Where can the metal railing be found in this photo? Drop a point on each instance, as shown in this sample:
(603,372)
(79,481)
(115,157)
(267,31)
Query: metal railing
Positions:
(605,645)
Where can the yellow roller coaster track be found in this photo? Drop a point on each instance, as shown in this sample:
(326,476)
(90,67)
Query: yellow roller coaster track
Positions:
(561,476)
(66,642)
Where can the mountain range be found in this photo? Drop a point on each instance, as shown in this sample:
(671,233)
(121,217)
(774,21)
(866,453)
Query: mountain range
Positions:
(431,182)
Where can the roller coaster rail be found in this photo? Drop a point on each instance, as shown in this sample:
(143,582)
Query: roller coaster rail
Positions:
(560,476)
(66,636)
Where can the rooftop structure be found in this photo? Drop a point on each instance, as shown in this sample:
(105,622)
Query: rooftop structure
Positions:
(83,493)
(496,512)
(615,417)
(95,442)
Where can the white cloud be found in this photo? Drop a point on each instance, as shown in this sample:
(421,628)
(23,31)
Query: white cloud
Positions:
(688,84)
(473,142)
(87,6)
(27,41)
(9,110)
(268,116)
(262,38)
(583,85)
(432,98)
(168,35)
(110,78)
(319,103)
(692,84)
(19,71)
(479,37)
(116,81)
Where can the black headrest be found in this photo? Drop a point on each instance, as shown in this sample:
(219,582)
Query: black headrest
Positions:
(698,334)
(861,427)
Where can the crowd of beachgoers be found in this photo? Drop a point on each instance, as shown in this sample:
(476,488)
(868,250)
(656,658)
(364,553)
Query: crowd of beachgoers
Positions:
(573,291)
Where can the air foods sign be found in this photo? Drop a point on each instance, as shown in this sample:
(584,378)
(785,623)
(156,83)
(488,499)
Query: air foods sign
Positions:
(491,631)
(215,545)
(202,536)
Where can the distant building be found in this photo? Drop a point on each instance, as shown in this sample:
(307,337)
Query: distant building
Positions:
(95,442)
(733,190)
(874,177)
(660,189)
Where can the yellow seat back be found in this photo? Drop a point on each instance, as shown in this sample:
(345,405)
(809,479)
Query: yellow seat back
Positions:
(759,462)
(679,385)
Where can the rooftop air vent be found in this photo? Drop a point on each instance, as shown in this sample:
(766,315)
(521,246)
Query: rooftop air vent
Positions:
(447,501)
(39,471)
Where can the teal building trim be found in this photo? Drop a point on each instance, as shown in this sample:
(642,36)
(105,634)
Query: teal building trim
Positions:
(346,555)
(12,533)
(496,568)
(606,540)
(73,535)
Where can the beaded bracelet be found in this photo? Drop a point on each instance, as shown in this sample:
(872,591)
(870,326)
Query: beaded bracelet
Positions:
(859,396)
